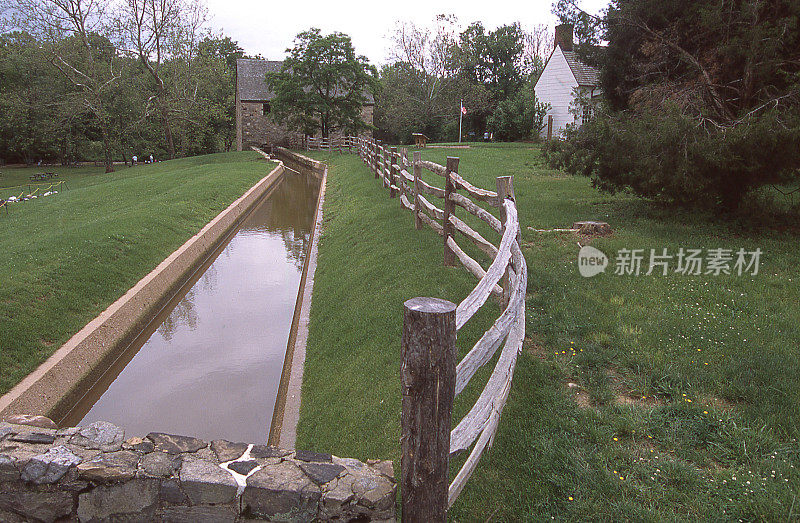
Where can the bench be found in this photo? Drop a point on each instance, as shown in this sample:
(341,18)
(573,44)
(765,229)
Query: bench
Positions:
(419,139)
(43,176)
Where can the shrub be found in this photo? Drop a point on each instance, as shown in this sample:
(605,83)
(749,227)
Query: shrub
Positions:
(518,117)
(666,156)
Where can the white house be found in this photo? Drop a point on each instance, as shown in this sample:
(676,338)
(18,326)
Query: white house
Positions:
(563,76)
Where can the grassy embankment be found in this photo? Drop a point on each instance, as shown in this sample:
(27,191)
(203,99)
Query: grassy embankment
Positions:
(688,404)
(68,256)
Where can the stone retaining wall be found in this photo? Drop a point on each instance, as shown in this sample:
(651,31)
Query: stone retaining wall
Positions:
(95,474)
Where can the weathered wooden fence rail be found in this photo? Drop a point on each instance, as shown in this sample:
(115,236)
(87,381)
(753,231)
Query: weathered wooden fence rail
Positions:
(431,378)
(336,143)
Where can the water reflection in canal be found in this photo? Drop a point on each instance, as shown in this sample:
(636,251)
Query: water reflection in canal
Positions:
(212,366)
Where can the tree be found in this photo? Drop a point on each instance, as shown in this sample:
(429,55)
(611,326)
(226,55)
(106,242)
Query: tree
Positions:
(518,117)
(36,104)
(709,90)
(434,70)
(164,34)
(322,84)
(214,114)
(73,36)
(493,59)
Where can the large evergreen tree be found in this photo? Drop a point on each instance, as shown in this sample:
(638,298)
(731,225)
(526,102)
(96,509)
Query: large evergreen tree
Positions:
(703,98)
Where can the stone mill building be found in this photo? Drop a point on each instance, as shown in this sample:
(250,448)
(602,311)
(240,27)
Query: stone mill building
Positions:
(254,124)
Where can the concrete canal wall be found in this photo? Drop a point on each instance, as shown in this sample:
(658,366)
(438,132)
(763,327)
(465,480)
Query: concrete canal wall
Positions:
(98,473)
(59,382)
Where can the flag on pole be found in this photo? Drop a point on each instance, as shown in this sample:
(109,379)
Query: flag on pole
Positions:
(460,116)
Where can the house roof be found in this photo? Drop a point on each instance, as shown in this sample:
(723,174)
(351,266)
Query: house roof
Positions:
(584,74)
(251,80)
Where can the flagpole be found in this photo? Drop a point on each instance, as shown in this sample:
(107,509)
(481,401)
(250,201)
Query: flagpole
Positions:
(460,116)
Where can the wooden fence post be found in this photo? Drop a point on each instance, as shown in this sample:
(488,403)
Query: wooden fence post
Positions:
(377,156)
(428,377)
(449,208)
(394,173)
(386,167)
(402,162)
(417,174)
(549,127)
(505,189)
(371,154)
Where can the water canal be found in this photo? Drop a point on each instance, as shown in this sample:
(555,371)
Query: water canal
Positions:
(210,364)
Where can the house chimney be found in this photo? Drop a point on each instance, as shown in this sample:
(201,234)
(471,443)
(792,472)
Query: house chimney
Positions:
(564,37)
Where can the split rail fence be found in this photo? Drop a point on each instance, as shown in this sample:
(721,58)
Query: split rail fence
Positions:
(430,376)
(336,143)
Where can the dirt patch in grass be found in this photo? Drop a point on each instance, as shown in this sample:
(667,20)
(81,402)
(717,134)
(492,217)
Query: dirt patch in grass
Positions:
(533,345)
(624,395)
(588,237)
(581,395)
(717,403)
(639,401)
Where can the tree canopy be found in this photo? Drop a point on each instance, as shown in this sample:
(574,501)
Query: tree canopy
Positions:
(434,70)
(703,99)
(323,84)
(97,82)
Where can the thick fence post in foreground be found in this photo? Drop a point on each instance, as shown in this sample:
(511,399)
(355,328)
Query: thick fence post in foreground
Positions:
(428,380)
(505,189)
(394,173)
(417,174)
(449,207)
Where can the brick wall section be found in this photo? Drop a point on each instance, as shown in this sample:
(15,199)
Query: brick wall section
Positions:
(95,474)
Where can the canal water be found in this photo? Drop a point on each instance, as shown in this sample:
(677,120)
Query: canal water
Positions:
(209,366)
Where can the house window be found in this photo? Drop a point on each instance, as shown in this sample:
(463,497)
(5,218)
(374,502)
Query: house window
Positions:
(588,112)
(265,109)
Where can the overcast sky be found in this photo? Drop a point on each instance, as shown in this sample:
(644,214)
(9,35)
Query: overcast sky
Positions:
(268,27)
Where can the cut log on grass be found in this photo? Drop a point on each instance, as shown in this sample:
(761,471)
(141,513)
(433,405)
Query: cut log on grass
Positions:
(592,228)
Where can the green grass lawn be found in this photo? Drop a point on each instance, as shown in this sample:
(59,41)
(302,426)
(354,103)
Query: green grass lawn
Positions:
(687,403)
(67,257)
(15,181)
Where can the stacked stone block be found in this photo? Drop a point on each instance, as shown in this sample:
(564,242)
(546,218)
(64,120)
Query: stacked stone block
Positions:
(94,473)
